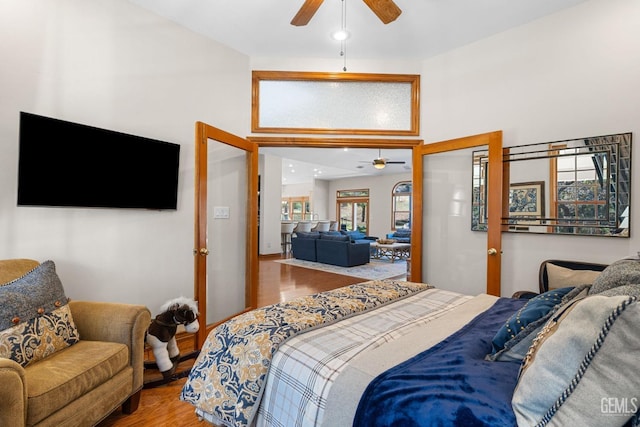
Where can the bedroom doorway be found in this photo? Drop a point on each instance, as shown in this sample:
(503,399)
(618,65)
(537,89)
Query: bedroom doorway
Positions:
(341,143)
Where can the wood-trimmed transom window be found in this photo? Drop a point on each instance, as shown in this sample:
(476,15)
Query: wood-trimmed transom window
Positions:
(335,103)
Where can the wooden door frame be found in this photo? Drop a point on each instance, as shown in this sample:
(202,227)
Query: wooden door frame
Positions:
(203,133)
(377,143)
(494,203)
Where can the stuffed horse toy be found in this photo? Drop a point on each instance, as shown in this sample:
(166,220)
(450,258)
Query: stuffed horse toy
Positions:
(162,330)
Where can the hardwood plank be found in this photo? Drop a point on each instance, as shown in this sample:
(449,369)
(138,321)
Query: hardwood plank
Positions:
(278,282)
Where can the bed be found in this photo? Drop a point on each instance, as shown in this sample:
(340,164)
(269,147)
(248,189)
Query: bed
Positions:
(402,353)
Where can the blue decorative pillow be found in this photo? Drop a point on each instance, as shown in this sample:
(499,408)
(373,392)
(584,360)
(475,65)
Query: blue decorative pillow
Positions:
(355,235)
(512,341)
(35,319)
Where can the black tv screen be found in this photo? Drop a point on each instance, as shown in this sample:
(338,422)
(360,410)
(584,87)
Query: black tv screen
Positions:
(68,164)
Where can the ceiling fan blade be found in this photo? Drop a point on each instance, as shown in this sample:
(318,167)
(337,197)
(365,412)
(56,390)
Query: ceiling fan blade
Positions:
(396,163)
(386,10)
(306,12)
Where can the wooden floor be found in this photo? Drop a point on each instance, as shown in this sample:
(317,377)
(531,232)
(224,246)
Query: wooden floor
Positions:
(161,406)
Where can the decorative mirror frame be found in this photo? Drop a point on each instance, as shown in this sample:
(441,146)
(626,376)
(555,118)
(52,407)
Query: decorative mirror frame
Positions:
(325,103)
(592,197)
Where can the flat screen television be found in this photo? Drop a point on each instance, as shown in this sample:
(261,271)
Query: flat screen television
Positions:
(69,164)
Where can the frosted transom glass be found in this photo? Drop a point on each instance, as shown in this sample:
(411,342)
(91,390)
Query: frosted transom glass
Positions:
(376,106)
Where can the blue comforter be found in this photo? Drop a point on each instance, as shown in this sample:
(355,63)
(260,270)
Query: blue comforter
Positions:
(450,384)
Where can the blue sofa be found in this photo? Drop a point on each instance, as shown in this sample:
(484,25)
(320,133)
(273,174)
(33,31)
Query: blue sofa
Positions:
(400,236)
(331,248)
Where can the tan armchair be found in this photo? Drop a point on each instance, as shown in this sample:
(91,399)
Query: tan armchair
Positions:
(81,384)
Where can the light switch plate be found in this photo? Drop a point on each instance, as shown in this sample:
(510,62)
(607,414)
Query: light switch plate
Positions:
(221,212)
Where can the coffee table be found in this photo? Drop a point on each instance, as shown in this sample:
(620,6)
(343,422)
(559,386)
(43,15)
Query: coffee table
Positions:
(391,251)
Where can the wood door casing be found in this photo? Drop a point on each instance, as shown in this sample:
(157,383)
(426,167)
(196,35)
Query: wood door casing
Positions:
(204,133)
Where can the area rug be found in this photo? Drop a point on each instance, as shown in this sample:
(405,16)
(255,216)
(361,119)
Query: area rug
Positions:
(375,270)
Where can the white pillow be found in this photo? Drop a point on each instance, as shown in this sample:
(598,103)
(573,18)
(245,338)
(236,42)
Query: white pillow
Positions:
(561,277)
(582,368)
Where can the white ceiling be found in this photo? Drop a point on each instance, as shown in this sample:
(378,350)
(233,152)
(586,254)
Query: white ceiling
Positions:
(334,163)
(261,28)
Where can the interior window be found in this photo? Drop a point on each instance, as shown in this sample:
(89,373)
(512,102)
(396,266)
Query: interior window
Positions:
(295,209)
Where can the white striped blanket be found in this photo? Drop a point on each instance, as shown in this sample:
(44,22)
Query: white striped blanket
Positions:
(227,380)
(305,367)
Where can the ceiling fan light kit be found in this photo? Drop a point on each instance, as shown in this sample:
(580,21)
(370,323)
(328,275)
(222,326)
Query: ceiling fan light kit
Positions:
(340,35)
(381,162)
(386,10)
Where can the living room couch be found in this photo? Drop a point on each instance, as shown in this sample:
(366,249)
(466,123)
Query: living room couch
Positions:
(96,366)
(332,248)
(400,236)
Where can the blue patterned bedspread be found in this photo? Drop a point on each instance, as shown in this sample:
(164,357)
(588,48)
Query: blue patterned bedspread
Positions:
(450,384)
(228,378)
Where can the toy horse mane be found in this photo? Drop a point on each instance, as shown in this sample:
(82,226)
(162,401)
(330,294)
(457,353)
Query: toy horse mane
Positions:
(178,311)
(193,306)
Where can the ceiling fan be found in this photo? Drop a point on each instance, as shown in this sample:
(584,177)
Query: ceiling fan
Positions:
(386,10)
(380,162)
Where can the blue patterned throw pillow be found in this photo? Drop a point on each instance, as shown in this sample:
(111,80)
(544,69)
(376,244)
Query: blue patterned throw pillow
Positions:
(35,320)
(512,340)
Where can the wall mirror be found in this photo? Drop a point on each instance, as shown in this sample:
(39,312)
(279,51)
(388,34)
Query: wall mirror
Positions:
(578,186)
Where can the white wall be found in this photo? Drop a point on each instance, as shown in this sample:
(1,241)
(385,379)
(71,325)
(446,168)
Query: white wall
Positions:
(270,198)
(570,75)
(113,65)
(380,188)
(320,201)
(110,64)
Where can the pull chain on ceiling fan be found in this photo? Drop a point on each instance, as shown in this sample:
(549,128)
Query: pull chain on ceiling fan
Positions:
(386,10)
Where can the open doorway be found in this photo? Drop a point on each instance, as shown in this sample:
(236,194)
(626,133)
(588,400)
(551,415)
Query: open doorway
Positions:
(361,151)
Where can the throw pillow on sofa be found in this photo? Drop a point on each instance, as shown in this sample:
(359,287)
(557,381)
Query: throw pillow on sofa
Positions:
(354,235)
(35,319)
